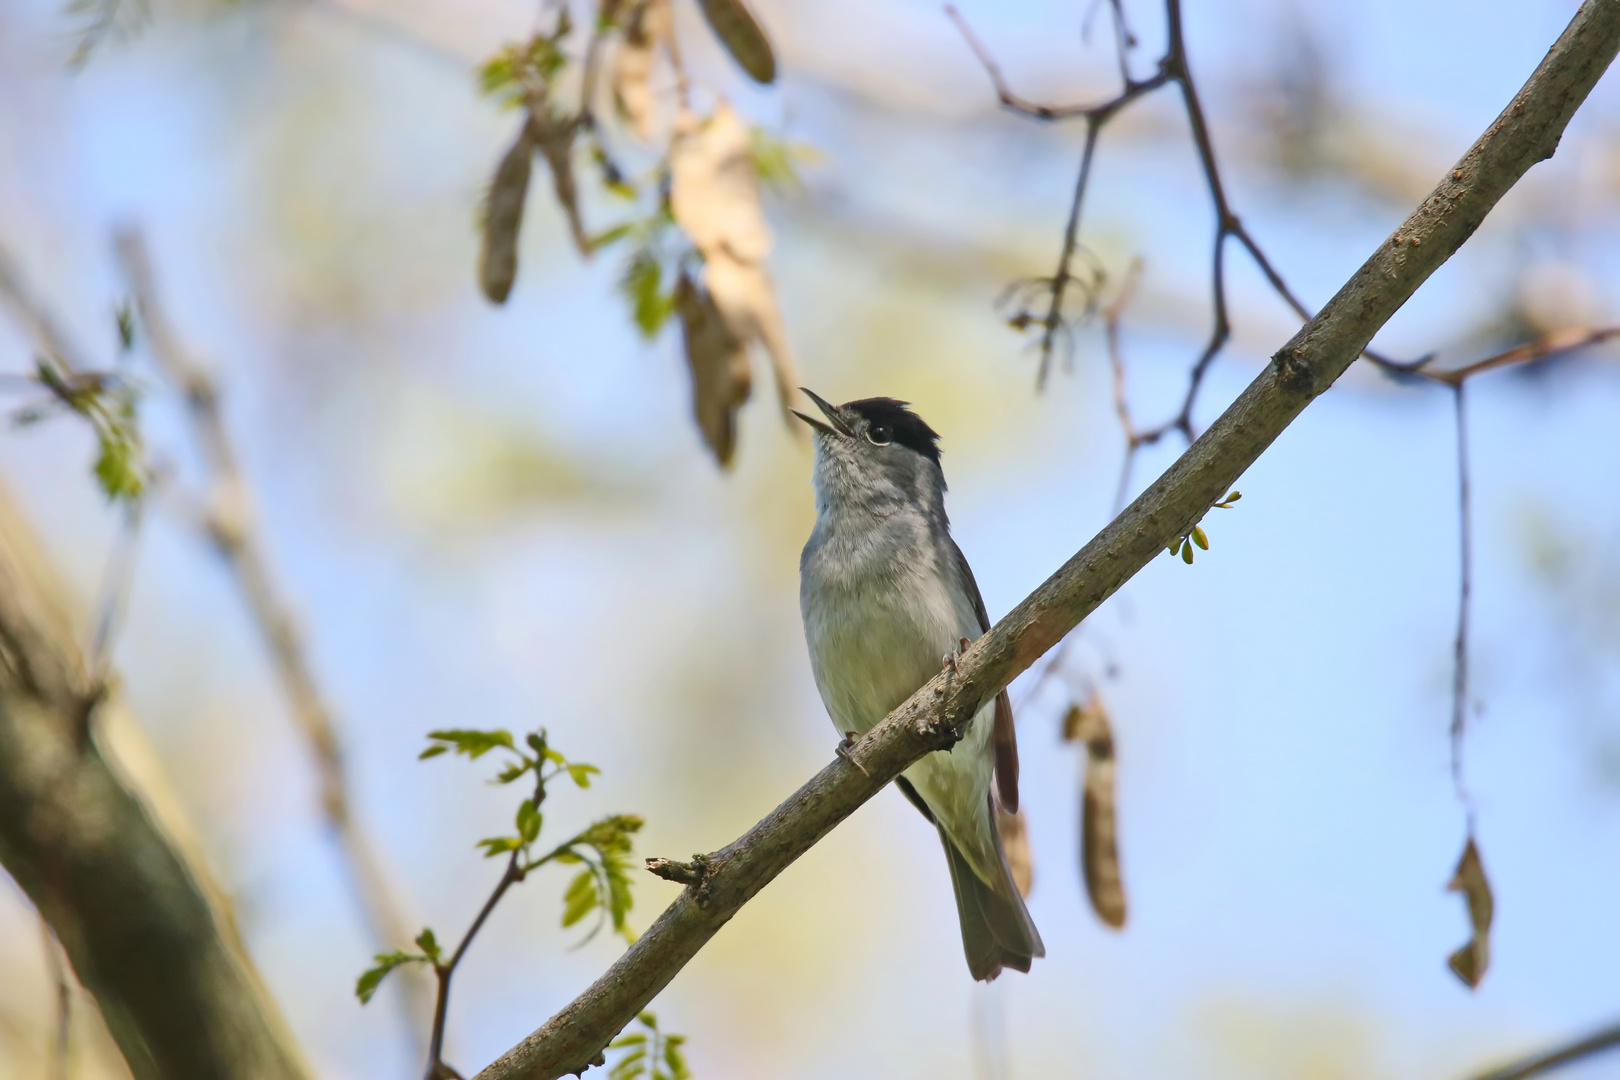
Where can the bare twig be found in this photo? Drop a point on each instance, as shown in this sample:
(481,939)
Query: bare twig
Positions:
(230,526)
(115,584)
(1526,132)
(1544,347)
(1097,117)
(1459,680)
(1116,365)
(35,318)
(1172,67)
(1599,1041)
(514,873)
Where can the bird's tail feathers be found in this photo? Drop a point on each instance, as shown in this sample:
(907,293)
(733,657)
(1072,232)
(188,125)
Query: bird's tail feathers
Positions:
(997,931)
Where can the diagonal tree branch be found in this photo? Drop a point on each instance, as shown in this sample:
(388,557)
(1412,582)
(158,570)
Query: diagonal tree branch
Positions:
(1597,1042)
(1527,131)
(138,919)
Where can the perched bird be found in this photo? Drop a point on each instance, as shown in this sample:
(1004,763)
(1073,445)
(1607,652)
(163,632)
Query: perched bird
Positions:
(887,596)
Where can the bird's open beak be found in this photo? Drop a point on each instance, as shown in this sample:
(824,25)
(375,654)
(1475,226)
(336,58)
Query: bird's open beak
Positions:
(838,427)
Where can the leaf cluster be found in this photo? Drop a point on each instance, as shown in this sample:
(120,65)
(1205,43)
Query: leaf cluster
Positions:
(108,402)
(649,1053)
(601,849)
(383,963)
(502,75)
(1183,544)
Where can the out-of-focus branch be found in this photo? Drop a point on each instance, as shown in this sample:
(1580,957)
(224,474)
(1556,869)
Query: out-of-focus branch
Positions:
(177,993)
(1526,132)
(35,319)
(1547,1060)
(230,526)
(1096,117)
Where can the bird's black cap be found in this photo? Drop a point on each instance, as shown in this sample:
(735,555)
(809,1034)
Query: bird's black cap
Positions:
(910,430)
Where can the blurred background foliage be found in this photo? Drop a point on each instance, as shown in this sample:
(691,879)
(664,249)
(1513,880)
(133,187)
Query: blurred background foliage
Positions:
(504,517)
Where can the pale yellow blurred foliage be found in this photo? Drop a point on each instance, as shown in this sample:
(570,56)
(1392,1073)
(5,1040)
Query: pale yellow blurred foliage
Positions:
(1259,1040)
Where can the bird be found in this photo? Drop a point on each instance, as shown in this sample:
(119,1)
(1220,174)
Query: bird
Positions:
(887,596)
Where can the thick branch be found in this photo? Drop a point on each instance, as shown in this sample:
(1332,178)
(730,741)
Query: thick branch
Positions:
(1527,131)
(134,919)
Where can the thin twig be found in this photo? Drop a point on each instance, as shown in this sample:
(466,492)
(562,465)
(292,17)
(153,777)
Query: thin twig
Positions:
(1173,67)
(437,1069)
(1603,1039)
(1116,364)
(115,584)
(36,320)
(1459,680)
(230,526)
(1546,346)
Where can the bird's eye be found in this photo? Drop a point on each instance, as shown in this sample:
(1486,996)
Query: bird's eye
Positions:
(879,435)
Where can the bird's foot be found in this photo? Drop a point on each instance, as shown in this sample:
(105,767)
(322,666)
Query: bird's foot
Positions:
(948,661)
(844,747)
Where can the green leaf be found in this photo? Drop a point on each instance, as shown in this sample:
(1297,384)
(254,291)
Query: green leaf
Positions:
(432,751)
(647,1019)
(641,284)
(116,466)
(584,882)
(627,1040)
(513,771)
(428,944)
(536,741)
(528,821)
(475,744)
(613,235)
(675,1059)
(1199,538)
(581,903)
(628,1066)
(499,845)
(126,326)
(581,773)
(366,986)
(775,159)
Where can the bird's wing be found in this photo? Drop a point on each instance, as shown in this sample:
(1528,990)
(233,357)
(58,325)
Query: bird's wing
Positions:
(1003,737)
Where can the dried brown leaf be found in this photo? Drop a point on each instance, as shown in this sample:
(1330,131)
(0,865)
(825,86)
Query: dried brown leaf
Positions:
(1470,961)
(714,191)
(719,365)
(746,298)
(648,26)
(556,139)
(503,219)
(1015,841)
(1099,832)
(714,196)
(739,31)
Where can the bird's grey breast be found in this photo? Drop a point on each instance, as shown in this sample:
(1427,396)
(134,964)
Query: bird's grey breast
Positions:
(882,604)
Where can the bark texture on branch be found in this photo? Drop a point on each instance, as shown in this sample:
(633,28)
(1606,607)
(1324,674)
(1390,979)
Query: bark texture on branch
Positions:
(138,923)
(1527,131)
